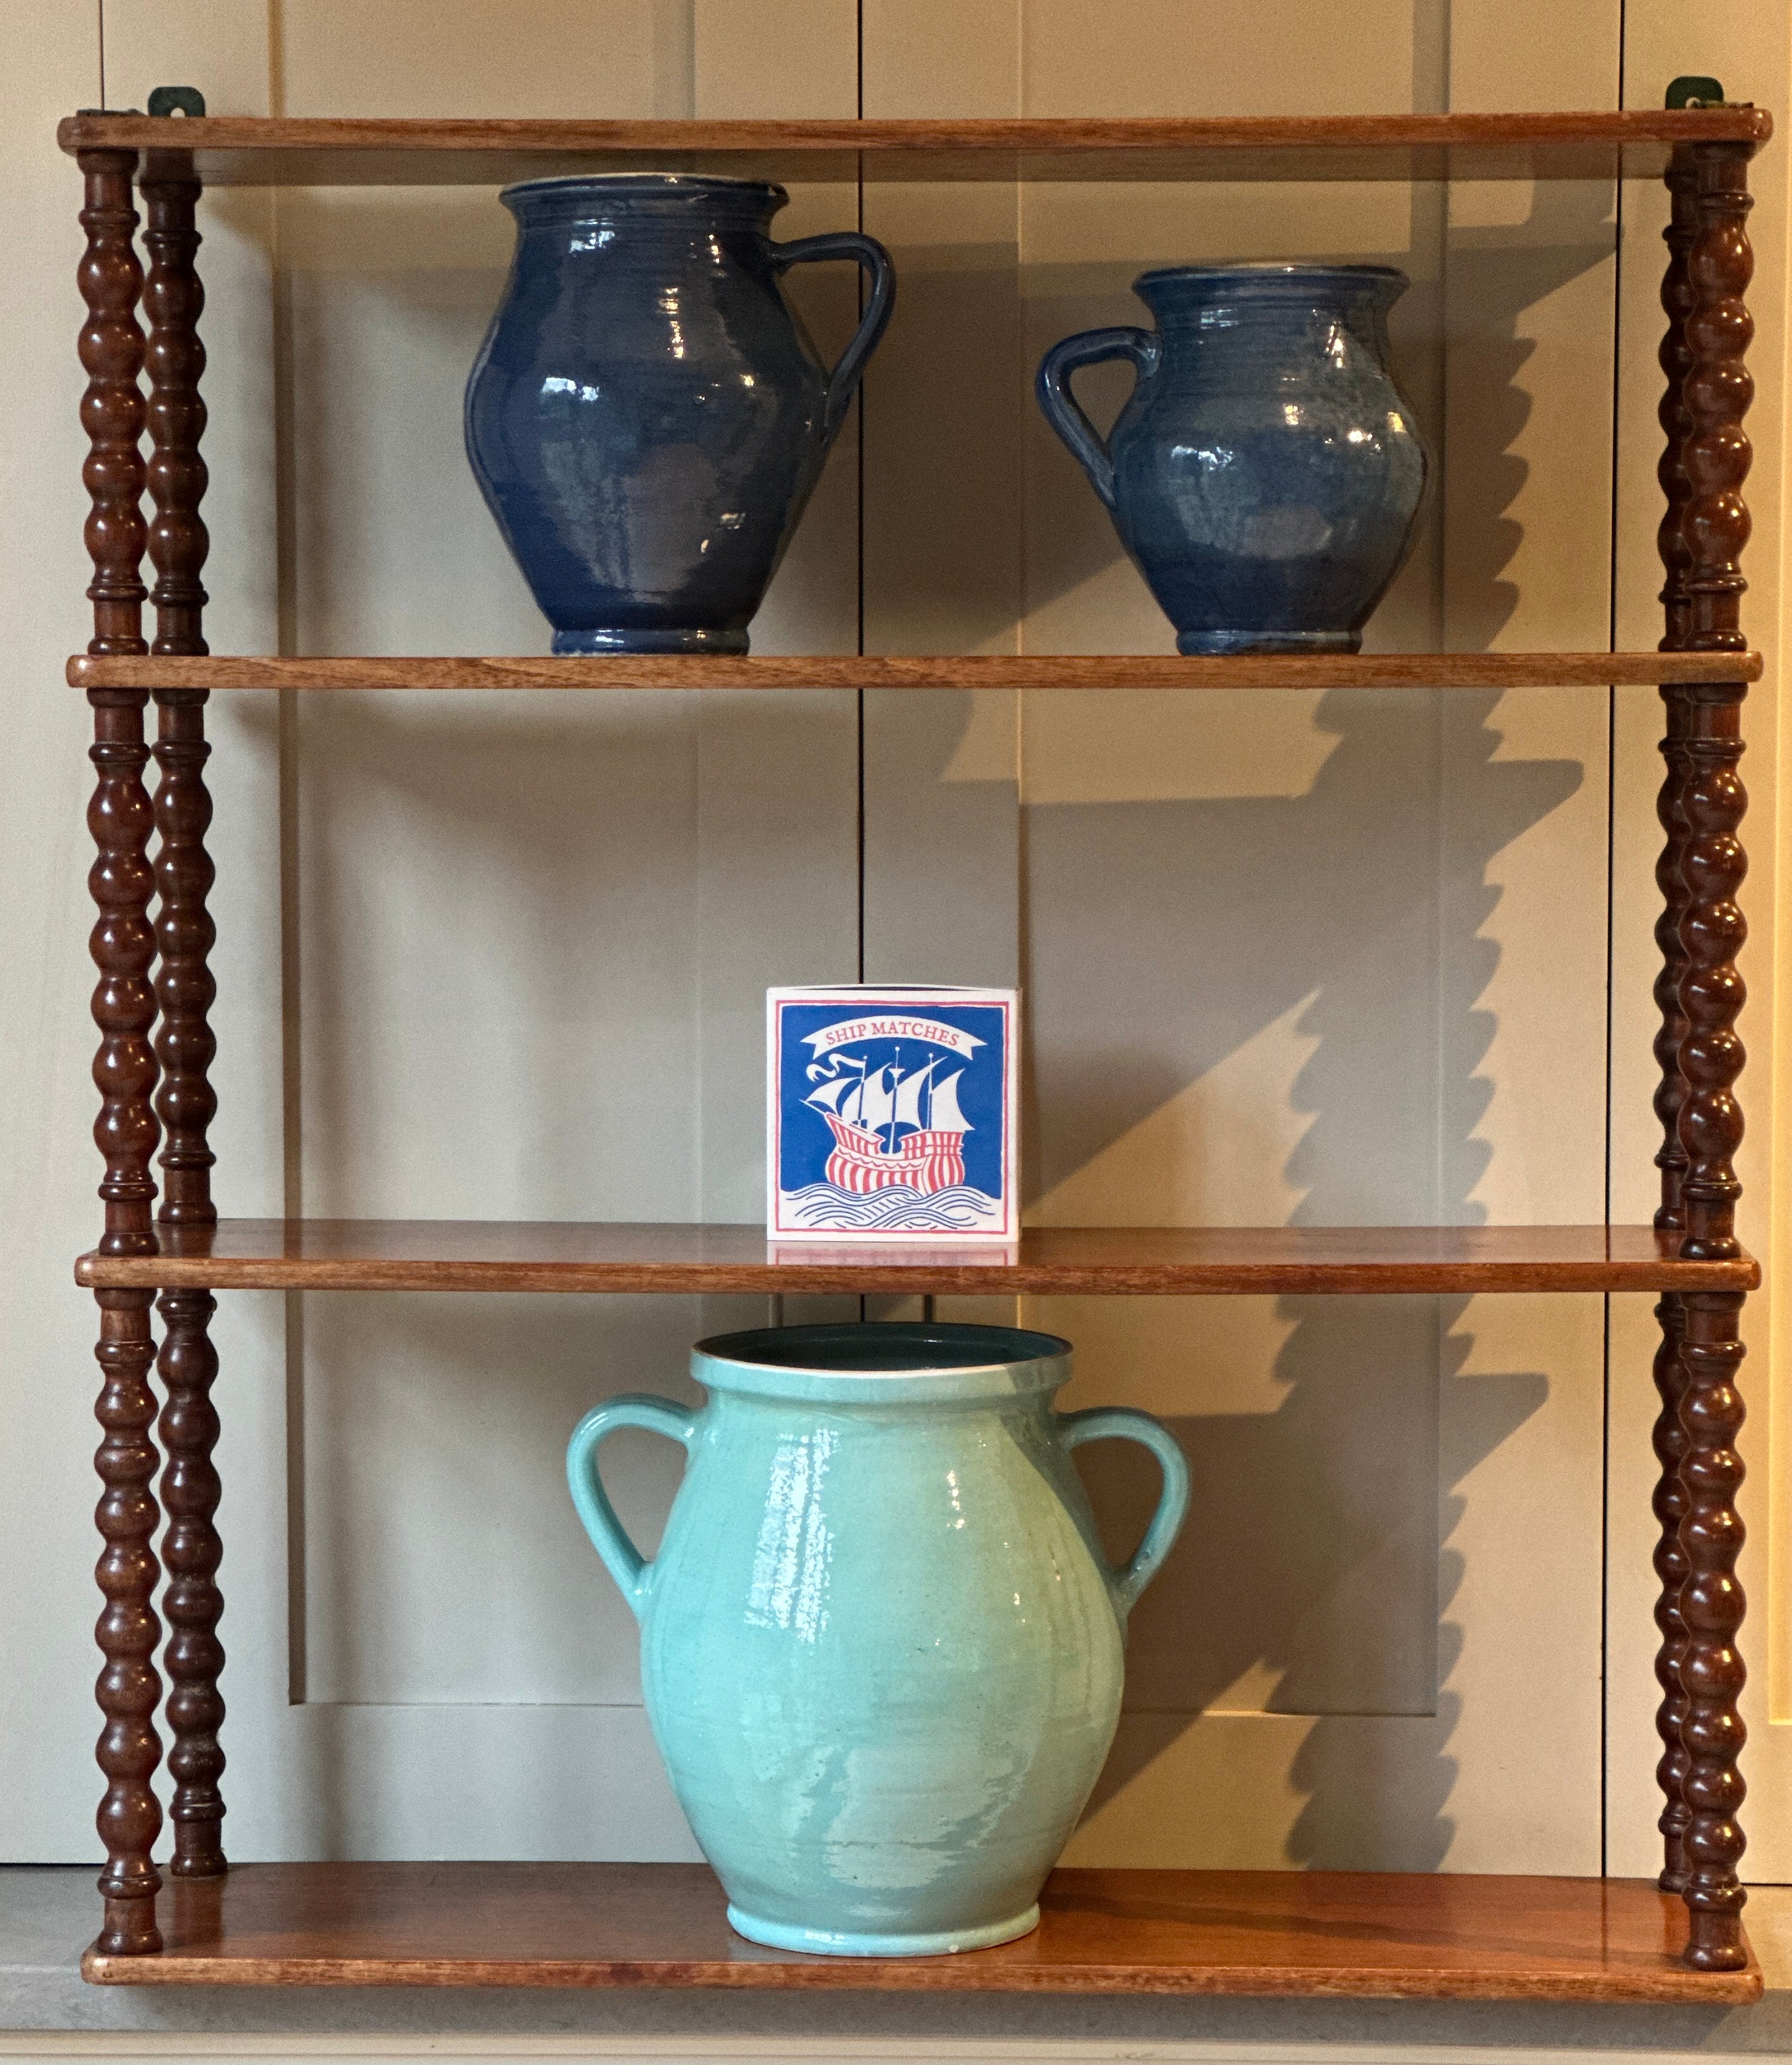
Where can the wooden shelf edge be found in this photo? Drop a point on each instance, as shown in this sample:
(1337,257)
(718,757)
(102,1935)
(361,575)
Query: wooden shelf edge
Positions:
(1318,1934)
(1599,143)
(1362,670)
(130,129)
(1717,1990)
(1068,1261)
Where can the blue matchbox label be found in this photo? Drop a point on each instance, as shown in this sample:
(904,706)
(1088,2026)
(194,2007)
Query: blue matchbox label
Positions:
(891,1114)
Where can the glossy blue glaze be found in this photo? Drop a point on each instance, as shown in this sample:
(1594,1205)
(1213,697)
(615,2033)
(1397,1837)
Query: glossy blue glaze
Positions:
(880,1645)
(647,415)
(1265,475)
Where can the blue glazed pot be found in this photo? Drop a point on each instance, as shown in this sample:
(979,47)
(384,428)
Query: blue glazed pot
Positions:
(1265,475)
(881,1645)
(647,416)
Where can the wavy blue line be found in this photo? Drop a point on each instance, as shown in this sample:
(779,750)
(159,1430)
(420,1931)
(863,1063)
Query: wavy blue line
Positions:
(896,1209)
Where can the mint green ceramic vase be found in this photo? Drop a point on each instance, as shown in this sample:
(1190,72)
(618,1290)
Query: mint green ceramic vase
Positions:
(882,1647)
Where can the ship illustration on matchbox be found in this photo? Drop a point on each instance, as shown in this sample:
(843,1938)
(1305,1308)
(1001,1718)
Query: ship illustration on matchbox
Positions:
(891,1114)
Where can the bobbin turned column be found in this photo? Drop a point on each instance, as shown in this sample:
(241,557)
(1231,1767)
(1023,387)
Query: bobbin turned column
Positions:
(192,1603)
(1670,1376)
(1706,746)
(1670,1569)
(123,946)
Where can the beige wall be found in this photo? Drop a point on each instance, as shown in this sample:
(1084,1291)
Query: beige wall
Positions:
(1317,958)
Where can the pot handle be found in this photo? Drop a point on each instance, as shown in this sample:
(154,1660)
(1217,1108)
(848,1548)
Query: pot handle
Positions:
(1120,1423)
(843,381)
(1064,412)
(632,1571)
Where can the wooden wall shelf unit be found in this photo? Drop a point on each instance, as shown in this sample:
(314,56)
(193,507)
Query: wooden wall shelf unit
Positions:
(585,1925)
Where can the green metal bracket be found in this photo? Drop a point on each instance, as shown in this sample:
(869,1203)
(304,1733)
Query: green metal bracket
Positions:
(1689,92)
(189,100)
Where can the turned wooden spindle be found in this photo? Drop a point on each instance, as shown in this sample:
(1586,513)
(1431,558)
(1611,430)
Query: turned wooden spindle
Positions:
(1712,930)
(191,1550)
(174,359)
(120,816)
(1677,304)
(111,347)
(123,946)
(178,543)
(1716,391)
(1670,1569)
(129,1815)
(124,1072)
(1711,1605)
(185,989)
(192,1604)
(1670,1094)
(1711,184)
(182,806)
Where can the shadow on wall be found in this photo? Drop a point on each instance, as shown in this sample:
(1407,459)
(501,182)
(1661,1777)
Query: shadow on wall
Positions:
(1316,1575)
(1162,936)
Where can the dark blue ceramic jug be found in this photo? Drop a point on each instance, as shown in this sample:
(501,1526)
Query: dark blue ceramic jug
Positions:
(1265,474)
(647,416)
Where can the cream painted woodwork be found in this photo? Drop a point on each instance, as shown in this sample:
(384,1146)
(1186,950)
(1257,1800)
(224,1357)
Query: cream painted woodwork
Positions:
(1317,958)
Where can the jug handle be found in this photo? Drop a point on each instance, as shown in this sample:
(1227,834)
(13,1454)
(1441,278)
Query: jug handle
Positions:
(632,1571)
(1120,1422)
(1064,412)
(843,381)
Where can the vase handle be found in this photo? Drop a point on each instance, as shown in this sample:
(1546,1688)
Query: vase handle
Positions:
(843,381)
(632,1571)
(1120,1422)
(1064,412)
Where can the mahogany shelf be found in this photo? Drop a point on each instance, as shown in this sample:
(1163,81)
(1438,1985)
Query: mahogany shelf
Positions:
(660,670)
(1414,1934)
(472,1255)
(258,151)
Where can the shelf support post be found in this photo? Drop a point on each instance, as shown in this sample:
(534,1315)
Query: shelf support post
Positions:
(1707,525)
(1670,1379)
(124,947)
(193,1604)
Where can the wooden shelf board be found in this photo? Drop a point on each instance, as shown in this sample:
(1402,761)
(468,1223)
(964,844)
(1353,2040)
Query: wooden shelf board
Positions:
(1139,1932)
(254,150)
(1278,670)
(468,1255)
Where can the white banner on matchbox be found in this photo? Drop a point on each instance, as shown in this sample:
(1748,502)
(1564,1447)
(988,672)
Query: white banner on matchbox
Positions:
(891,1114)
